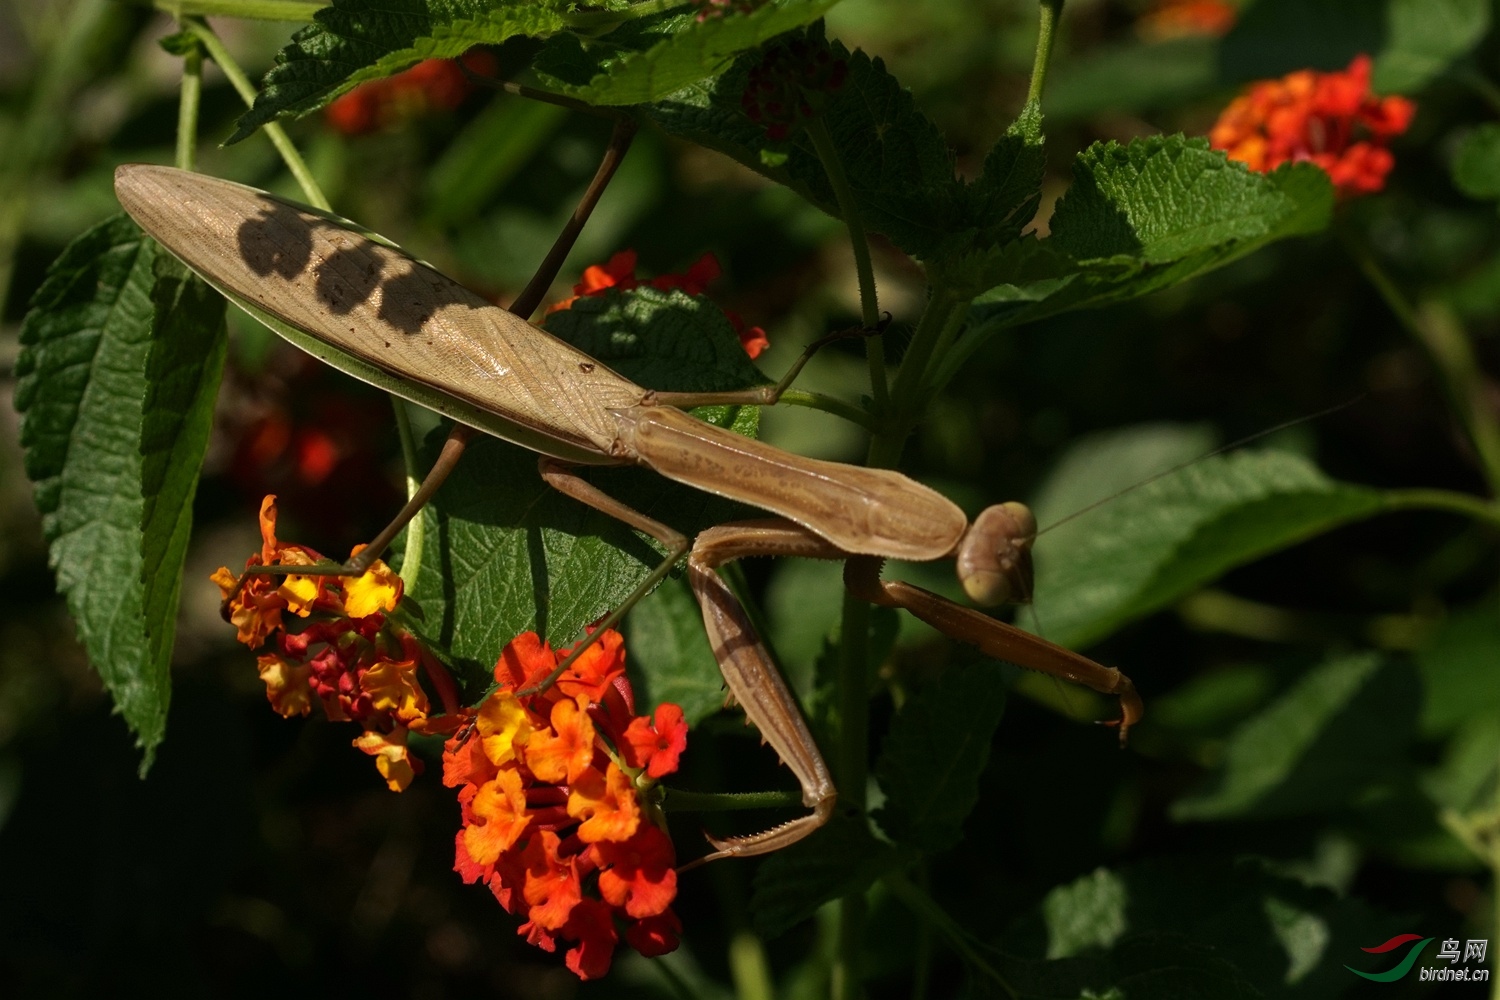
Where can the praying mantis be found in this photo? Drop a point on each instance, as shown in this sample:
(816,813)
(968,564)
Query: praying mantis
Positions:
(359,303)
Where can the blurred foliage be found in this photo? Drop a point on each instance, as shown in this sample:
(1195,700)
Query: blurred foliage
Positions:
(1317,772)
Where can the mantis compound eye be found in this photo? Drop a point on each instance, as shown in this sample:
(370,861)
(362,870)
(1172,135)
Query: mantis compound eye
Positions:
(994,557)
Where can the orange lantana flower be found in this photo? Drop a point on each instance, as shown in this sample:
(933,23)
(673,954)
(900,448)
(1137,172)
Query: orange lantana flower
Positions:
(1185,18)
(346,654)
(1331,119)
(557,821)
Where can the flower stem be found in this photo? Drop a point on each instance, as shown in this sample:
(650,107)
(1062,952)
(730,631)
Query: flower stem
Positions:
(1050,11)
(829,404)
(869,305)
(1443,337)
(416,528)
(187,108)
(299,11)
(246,90)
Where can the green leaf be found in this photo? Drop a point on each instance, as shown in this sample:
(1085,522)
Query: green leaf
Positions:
(1476,168)
(1424,38)
(506,554)
(841,859)
(1151,547)
(1089,913)
(688,51)
(358,40)
(82,386)
(1457,664)
(1160,199)
(1337,732)
(188,344)
(670,657)
(1141,218)
(938,746)
(898,165)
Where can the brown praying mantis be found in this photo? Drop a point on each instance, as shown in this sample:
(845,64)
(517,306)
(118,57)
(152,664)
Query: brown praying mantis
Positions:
(356,301)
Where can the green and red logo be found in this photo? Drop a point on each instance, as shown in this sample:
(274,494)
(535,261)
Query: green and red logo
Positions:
(1401,968)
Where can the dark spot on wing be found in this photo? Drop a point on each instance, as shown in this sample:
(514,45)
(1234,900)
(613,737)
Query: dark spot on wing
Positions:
(269,243)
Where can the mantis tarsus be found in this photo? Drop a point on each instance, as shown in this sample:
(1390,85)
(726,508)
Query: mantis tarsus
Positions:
(357,302)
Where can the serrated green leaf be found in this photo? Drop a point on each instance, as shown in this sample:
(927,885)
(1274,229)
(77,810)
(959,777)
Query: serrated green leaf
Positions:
(1137,214)
(188,343)
(1156,544)
(692,50)
(82,386)
(1476,168)
(506,554)
(1338,731)
(1159,199)
(898,165)
(937,748)
(358,40)
(841,859)
(670,657)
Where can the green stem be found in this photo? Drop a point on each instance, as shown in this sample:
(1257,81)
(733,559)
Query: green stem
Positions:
(851,768)
(677,800)
(273,130)
(925,907)
(1447,344)
(298,11)
(1459,503)
(938,323)
(187,108)
(869,304)
(829,404)
(1051,10)
(679,986)
(416,529)
(749,969)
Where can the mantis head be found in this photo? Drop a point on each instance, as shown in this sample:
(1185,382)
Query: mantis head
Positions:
(993,559)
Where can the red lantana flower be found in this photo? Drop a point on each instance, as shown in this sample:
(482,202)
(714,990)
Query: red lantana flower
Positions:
(1331,119)
(557,819)
(619,272)
(433,84)
(329,642)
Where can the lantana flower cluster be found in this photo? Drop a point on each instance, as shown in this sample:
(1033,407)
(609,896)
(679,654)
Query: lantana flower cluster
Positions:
(1331,119)
(434,84)
(558,819)
(619,273)
(328,641)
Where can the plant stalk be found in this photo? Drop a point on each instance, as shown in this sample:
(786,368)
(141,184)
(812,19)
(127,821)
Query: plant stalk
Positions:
(869,304)
(1046,33)
(273,130)
(187,109)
